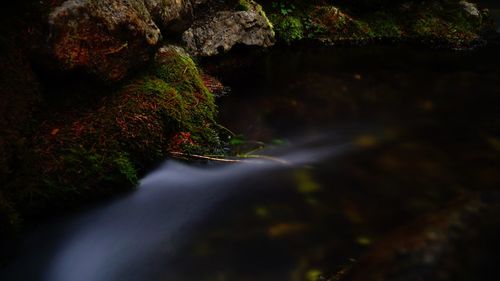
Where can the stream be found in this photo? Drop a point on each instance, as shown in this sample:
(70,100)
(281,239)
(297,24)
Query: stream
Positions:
(348,144)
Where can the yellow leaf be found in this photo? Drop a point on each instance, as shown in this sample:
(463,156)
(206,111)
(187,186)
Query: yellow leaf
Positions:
(283,229)
(366,141)
(305,182)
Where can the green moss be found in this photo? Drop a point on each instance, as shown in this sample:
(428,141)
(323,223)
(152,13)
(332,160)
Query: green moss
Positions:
(383,25)
(181,72)
(339,26)
(243,5)
(264,15)
(438,23)
(126,168)
(436,29)
(287,28)
(174,108)
(198,104)
(428,25)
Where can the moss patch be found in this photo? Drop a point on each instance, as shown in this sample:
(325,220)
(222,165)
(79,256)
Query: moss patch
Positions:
(287,28)
(196,102)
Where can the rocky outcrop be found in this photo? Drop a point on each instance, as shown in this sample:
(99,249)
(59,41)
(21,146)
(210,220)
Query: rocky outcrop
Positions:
(104,37)
(221,31)
(470,9)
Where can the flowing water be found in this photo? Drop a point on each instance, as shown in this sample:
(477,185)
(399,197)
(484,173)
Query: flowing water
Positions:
(358,142)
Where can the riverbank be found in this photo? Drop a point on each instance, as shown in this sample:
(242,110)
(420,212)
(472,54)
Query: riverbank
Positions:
(442,24)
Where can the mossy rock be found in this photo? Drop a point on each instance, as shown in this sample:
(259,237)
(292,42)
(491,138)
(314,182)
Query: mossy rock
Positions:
(287,28)
(93,152)
(338,25)
(243,5)
(197,116)
(445,23)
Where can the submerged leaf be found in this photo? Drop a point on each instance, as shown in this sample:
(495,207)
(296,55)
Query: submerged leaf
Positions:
(305,182)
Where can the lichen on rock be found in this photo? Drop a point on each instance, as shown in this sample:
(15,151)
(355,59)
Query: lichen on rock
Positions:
(470,8)
(220,32)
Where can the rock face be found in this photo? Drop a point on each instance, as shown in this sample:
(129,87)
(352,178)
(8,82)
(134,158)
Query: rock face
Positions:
(220,32)
(173,15)
(470,8)
(105,37)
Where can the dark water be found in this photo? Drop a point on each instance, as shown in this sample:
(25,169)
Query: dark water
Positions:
(494,8)
(363,141)
(426,124)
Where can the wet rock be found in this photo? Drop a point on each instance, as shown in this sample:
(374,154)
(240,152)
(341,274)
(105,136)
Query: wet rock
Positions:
(220,32)
(470,8)
(106,37)
(173,49)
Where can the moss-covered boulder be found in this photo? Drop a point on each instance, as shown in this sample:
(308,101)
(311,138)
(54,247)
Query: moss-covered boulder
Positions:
(95,150)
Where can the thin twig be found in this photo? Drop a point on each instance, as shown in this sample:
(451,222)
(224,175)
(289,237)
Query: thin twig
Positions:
(227,130)
(252,151)
(207,157)
(267,157)
(244,160)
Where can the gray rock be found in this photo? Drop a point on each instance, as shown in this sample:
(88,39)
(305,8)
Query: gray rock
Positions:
(110,37)
(470,8)
(171,49)
(220,32)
